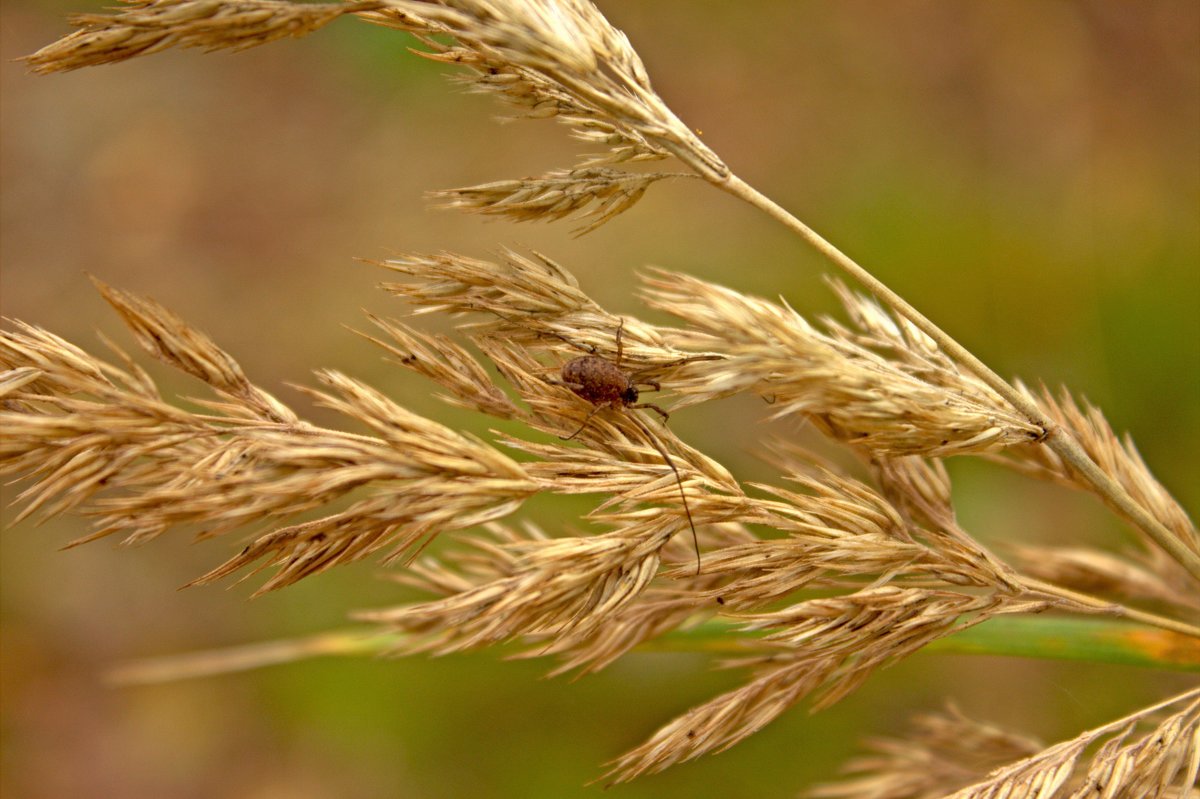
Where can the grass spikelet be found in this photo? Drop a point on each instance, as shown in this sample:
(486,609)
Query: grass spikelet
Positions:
(1162,762)
(1117,457)
(888,406)
(595,193)
(562,588)
(940,753)
(174,342)
(717,724)
(143,27)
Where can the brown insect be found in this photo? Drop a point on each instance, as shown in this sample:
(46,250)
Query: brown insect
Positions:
(606,385)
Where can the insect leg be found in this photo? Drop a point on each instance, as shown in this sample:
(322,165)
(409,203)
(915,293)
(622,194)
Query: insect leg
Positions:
(554,381)
(620,349)
(652,407)
(595,409)
(590,349)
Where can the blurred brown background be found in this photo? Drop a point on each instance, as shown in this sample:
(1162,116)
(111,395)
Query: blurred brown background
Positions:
(1027,173)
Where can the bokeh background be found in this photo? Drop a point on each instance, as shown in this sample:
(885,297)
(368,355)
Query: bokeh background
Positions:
(1027,173)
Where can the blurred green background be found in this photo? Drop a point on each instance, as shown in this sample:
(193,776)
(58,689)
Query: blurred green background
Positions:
(1027,173)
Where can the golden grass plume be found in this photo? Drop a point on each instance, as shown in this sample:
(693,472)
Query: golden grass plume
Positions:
(818,578)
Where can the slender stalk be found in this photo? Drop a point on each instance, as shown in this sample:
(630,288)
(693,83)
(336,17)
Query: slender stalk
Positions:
(1056,437)
(232,659)
(1067,638)
(1133,614)
(1059,638)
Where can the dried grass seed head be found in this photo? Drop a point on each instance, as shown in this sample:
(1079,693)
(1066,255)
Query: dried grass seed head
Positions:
(574,49)
(1164,762)
(592,195)
(892,407)
(103,441)
(562,587)
(940,753)
(557,58)
(1117,456)
(143,27)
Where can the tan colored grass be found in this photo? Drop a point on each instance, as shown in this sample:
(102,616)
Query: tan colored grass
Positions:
(905,401)
(950,755)
(1163,762)
(90,428)
(596,194)
(144,27)
(108,445)
(894,569)
(938,754)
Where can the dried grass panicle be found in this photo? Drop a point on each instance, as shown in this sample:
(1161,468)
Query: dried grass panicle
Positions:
(1118,458)
(448,364)
(896,560)
(102,441)
(98,437)
(1163,762)
(537,304)
(557,59)
(718,724)
(561,587)
(592,195)
(172,341)
(940,753)
(143,27)
(571,50)
(536,96)
(918,404)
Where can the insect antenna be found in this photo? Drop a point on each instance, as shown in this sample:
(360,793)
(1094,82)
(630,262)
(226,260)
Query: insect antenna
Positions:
(678,480)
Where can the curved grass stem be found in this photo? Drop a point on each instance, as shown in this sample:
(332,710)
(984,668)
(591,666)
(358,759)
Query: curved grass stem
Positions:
(1056,437)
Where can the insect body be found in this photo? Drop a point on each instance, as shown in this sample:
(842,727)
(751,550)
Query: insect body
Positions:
(598,381)
(605,384)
